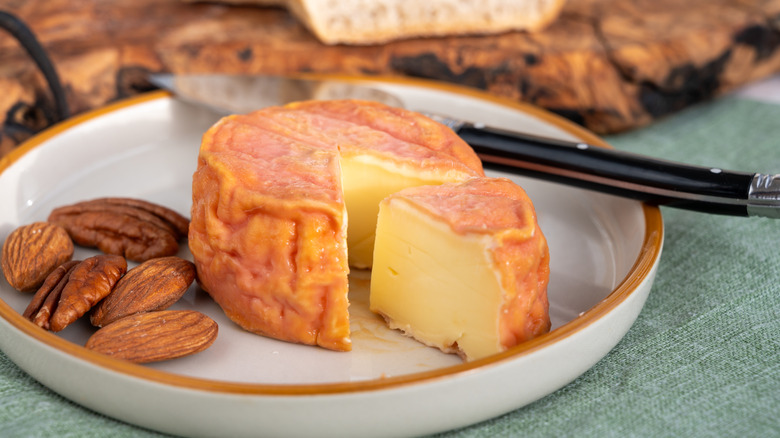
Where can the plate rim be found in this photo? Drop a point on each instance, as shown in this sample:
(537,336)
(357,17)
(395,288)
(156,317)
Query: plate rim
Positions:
(641,269)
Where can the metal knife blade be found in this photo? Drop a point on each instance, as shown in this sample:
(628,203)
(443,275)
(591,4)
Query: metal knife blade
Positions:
(655,181)
(237,94)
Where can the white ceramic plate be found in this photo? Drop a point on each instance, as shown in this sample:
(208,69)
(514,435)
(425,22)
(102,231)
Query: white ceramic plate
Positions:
(604,253)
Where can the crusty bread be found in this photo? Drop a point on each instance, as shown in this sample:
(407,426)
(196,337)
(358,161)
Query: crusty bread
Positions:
(377,21)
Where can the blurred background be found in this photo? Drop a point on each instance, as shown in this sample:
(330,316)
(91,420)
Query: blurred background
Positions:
(609,65)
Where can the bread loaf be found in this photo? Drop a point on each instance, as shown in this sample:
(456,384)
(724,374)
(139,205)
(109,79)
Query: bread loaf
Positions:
(361,22)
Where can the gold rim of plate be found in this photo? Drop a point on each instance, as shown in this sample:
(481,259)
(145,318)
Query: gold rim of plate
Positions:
(649,252)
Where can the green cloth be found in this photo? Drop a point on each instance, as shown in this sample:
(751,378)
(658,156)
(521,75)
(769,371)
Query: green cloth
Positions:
(702,359)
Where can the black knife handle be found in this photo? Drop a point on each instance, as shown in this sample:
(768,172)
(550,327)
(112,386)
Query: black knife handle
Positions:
(620,173)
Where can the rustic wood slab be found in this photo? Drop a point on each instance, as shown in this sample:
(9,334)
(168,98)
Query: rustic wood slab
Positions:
(610,65)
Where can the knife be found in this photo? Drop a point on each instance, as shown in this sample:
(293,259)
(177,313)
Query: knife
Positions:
(655,181)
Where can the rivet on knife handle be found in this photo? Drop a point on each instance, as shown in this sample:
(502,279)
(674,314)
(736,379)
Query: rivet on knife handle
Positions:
(652,180)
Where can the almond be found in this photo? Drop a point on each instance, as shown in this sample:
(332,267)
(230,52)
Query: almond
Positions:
(155,336)
(153,285)
(33,251)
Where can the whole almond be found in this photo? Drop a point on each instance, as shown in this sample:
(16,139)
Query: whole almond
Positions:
(155,336)
(153,285)
(33,251)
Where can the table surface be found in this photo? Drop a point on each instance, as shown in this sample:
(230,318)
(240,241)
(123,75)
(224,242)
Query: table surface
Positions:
(703,357)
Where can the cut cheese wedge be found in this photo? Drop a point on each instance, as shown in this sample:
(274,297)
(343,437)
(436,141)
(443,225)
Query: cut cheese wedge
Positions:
(366,183)
(382,150)
(462,267)
(272,194)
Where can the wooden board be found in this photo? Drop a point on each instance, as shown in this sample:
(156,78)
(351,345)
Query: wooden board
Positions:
(610,65)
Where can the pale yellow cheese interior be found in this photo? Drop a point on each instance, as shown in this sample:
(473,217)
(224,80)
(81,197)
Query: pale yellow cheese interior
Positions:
(435,285)
(366,182)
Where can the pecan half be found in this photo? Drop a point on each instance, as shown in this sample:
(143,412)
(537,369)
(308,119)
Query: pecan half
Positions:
(153,285)
(155,336)
(88,283)
(47,297)
(179,223)
(33,251)
(136,229)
